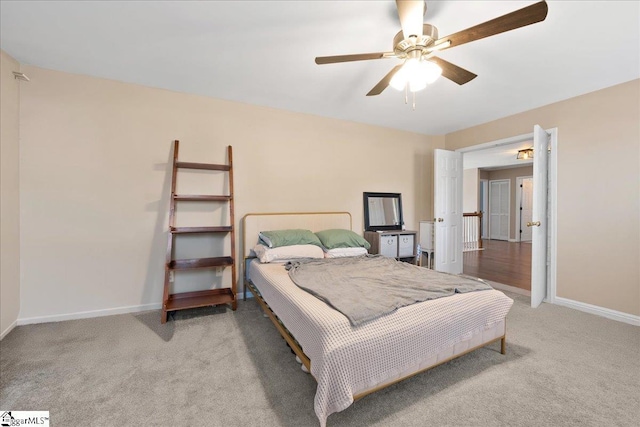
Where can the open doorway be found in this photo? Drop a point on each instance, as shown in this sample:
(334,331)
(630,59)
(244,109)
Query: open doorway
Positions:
(511,257)
(502,262)
(503,258)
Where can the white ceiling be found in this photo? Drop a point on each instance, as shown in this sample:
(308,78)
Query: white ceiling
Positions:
(262,52)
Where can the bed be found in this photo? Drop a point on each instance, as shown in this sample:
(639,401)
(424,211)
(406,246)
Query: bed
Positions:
(349,362)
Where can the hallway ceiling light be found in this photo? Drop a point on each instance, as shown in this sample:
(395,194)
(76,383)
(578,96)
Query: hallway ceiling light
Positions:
(525,154)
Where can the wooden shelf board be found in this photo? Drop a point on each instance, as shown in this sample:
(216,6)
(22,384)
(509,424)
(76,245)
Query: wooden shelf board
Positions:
(194,263)
(192,230)
(187,300)
(201,198)
(207,166)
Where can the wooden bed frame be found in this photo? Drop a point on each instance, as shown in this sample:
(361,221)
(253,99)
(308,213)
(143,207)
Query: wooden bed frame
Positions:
(253,223)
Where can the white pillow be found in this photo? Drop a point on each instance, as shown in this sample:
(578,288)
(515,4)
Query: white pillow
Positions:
(344,252)
(286,253)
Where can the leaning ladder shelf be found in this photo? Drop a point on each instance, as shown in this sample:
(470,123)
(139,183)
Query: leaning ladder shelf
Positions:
(185,300)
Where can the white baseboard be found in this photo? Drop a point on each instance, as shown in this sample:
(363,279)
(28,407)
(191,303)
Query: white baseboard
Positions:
(88,314)
(9,329)
(588,308)
(93,313)
(599,311)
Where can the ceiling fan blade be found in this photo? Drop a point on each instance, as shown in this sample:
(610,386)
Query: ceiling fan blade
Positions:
(411,13)
(537,12)
(453,72)
(348,58)
(382,84)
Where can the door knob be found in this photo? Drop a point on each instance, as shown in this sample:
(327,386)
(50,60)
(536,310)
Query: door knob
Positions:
(532,224)
(439,219)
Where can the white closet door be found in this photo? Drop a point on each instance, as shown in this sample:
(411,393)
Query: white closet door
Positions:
(484,186)
(494,210)
(499,202)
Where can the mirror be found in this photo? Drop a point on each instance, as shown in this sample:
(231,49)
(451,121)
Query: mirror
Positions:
(382,211)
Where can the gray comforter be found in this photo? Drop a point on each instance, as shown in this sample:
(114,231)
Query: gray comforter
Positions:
(364,288)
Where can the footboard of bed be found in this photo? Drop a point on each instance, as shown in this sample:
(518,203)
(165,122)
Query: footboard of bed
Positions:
(503,344)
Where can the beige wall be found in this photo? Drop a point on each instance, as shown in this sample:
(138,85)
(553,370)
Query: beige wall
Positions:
(511,174)
(598,190)
(9,194)
(470,190)
(94,183)
(95,180)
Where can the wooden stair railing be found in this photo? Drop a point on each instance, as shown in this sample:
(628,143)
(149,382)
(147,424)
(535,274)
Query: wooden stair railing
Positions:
(472,231)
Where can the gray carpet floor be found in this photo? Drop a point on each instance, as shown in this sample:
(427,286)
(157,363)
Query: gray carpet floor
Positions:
(215,367)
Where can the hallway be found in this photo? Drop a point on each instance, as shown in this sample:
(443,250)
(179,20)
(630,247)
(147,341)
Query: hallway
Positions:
(504,262)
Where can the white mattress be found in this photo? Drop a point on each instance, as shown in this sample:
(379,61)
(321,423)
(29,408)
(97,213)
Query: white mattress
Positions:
(347,360)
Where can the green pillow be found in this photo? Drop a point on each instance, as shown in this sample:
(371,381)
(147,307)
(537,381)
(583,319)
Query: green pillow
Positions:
(338,238)
(277,238)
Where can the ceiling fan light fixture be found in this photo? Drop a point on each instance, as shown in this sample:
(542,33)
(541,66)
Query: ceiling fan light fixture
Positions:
(430,71)
(416,85)
(417,74)
(399,79)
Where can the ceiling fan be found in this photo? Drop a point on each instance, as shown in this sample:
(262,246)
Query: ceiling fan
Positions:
(418,43)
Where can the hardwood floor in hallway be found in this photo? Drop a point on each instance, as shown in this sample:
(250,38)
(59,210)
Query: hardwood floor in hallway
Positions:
(504,262)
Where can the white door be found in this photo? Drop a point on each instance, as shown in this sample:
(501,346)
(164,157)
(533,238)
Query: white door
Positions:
(448,211)
(499,209)
(526,208)
(538,224)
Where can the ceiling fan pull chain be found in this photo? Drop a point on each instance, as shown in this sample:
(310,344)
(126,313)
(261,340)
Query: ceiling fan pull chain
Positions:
(414,101)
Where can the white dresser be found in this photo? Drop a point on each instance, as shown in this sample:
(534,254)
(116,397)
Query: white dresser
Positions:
(399,244)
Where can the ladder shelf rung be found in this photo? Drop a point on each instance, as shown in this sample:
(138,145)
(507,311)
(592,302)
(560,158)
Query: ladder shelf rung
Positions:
(206,298)
(200,198)
(193,263)
(193,230)
(207,166)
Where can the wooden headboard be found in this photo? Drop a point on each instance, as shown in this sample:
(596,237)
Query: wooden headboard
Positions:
(254,223)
